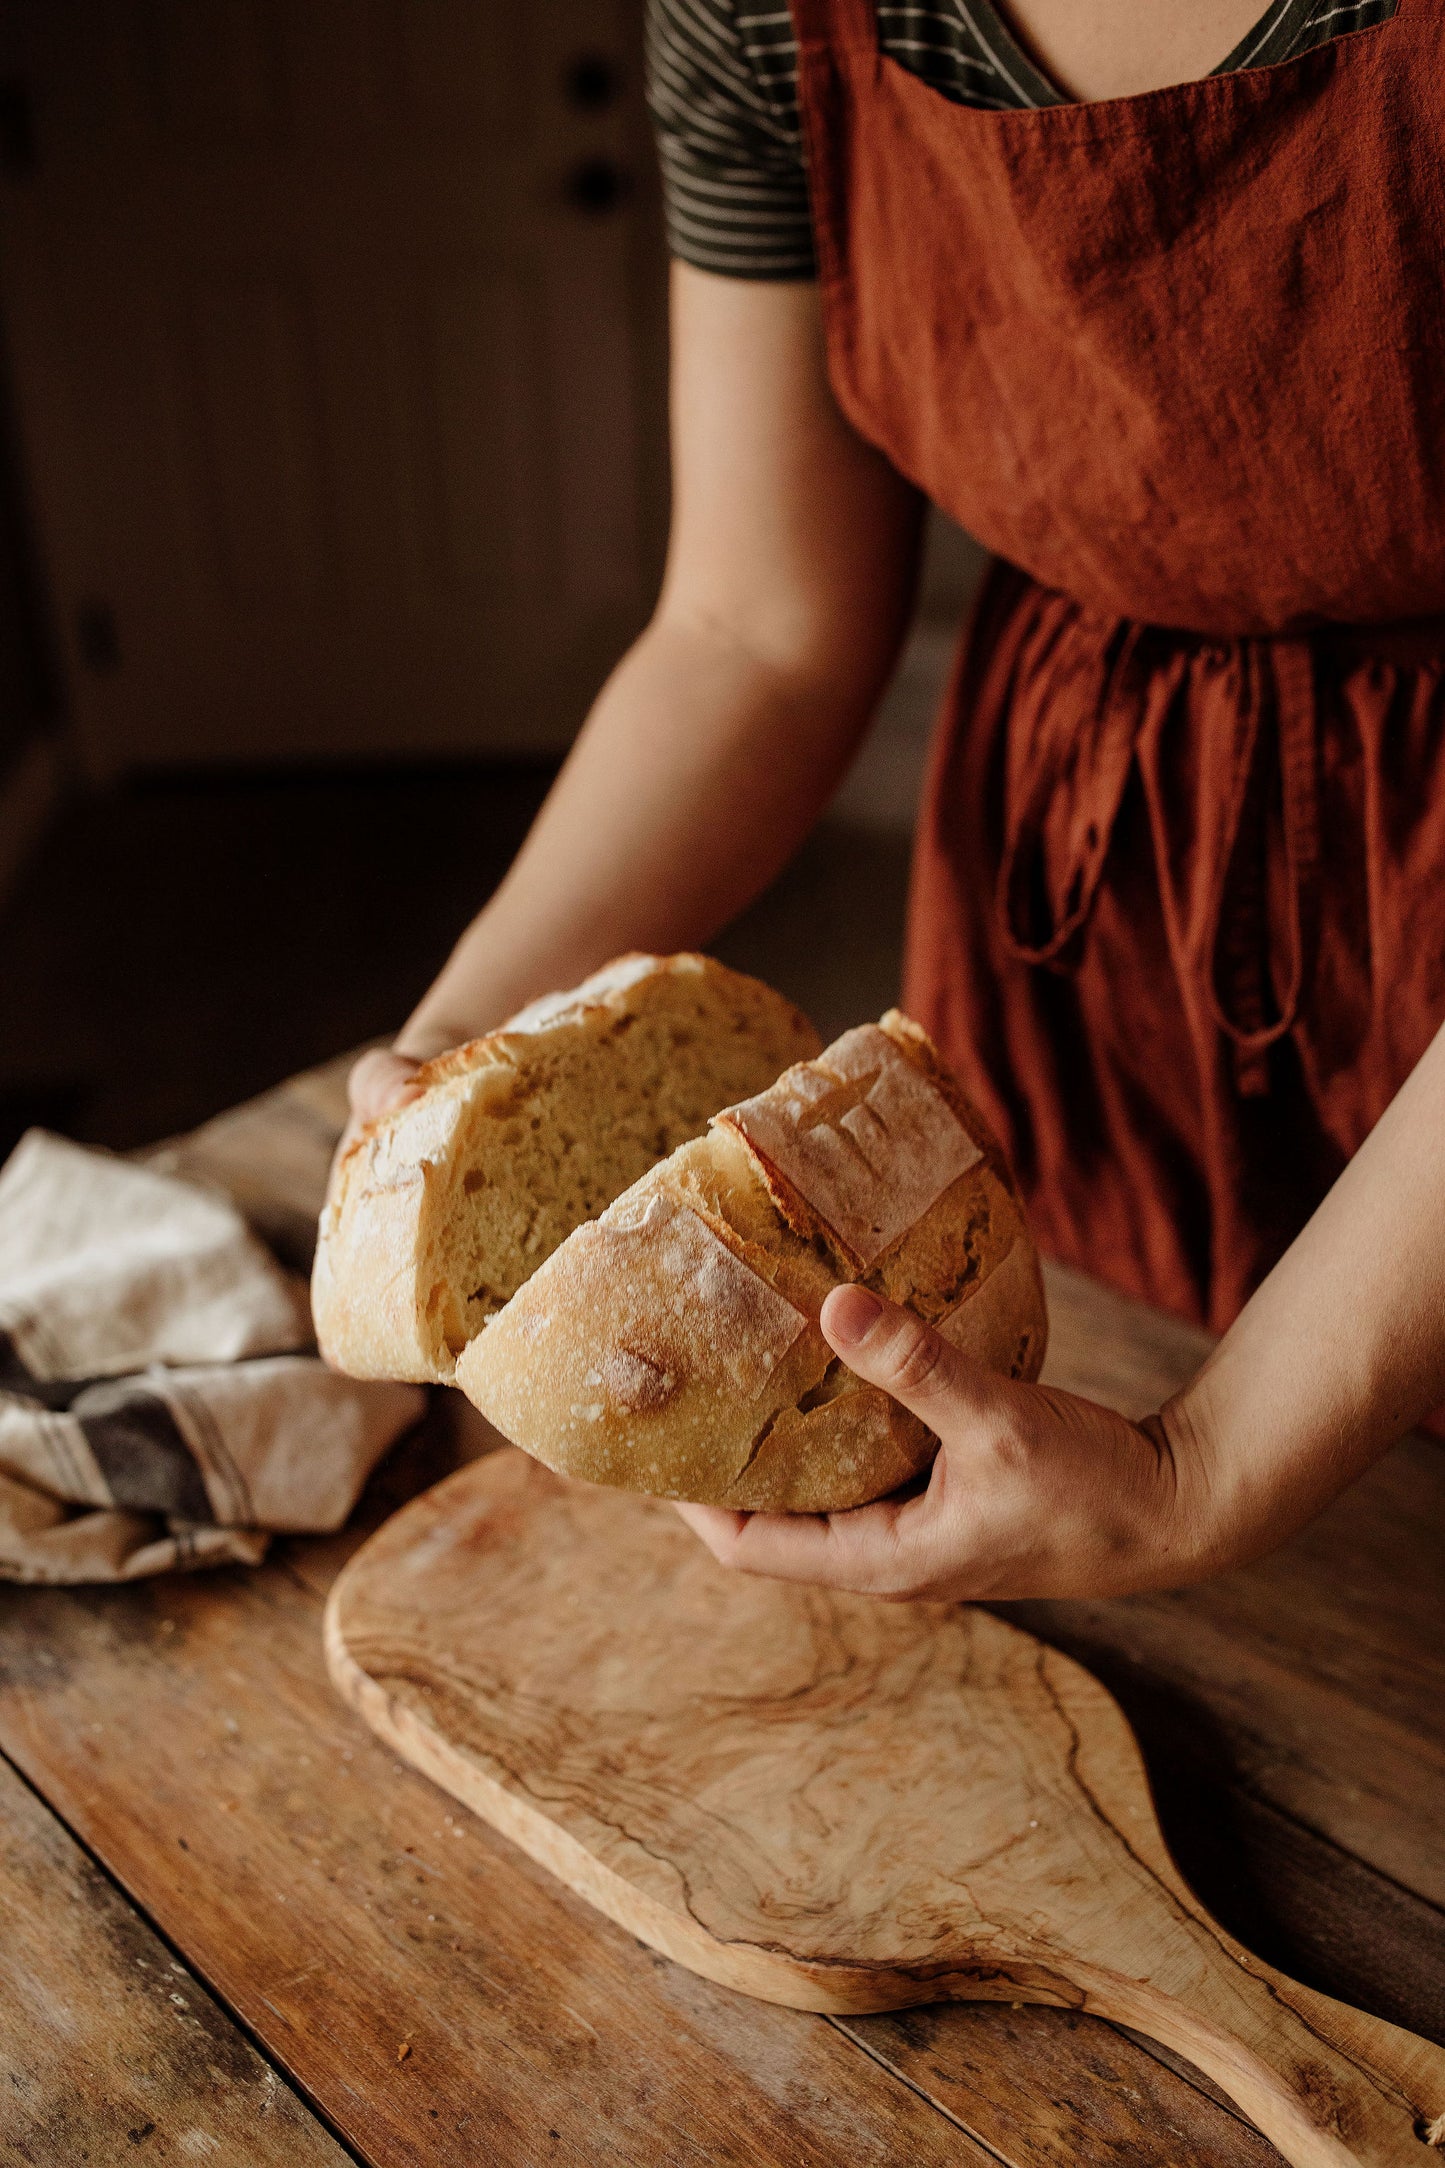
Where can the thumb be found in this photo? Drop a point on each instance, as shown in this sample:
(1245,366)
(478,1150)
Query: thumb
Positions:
(892,1347)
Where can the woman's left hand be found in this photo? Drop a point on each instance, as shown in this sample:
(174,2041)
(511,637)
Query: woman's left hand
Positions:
(1033,1492)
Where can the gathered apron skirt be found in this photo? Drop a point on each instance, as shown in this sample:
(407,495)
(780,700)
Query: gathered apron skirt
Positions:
(1178,913)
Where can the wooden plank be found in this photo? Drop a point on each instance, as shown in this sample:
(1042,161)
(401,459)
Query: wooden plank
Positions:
(1298,1901)
(970,1819)
(1319,1671)
(259,1910)
(1056,2089)
(1042,2056)
(825,1801)
(252,1908)
(1264,1688)
(1305,1905)
(109,2049)
(428,1987)
(1318,1674)
(1110,1348)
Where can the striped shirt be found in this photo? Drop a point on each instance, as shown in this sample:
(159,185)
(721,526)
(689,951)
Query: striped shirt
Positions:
(723,87)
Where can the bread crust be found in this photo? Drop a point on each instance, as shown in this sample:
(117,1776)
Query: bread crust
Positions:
(375,1291)
(635,1358)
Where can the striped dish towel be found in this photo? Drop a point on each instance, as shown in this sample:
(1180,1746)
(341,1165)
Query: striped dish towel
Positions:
(159,1403)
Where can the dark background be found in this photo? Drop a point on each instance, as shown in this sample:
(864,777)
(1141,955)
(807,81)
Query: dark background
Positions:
(221,858)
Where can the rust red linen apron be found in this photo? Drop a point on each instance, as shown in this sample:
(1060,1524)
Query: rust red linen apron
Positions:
(1179,895)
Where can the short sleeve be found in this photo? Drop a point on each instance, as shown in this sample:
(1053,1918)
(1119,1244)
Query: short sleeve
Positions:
(723,92)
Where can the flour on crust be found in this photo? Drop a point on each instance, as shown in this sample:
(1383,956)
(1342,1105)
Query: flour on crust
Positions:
(863,1138)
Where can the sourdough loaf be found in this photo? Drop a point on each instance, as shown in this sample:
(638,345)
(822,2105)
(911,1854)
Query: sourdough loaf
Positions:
(673,1346)
(439,1211)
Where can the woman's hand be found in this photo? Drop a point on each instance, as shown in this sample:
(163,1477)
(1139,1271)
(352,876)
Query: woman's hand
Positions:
(1033,1492)
(1036,1493)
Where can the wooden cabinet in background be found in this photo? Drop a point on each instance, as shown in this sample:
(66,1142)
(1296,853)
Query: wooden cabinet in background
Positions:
(337,339)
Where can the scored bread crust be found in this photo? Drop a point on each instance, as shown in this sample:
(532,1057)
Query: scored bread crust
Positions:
(384,1292)
(673,1346)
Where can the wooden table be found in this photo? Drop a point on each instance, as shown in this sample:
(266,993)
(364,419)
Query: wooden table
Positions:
(234,1930)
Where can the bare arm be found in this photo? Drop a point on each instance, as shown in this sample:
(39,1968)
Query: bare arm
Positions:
(1343,1348)
(721,735)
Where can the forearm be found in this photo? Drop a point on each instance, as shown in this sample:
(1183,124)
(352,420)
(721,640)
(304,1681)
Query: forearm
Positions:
(700,770)
(1343,1347)
(721,735)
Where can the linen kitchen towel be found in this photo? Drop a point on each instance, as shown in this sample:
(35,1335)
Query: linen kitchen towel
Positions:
(158,1408)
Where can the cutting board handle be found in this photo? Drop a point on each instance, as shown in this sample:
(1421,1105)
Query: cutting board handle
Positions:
(1329,2086)
(965,1811)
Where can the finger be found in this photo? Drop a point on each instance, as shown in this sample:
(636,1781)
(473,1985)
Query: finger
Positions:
(886,1345)
(717,1527)
(380,1081)
(874,1550)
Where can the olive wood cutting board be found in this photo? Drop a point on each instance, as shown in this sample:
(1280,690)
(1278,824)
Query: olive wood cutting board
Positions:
(827,1801)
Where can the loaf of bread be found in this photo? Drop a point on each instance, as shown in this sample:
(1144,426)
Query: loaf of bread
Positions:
(672,1346)
(442,1209)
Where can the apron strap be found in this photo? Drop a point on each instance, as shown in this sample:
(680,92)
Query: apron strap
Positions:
(1087,713)
(1245,980)
(835,23)
(1083,696)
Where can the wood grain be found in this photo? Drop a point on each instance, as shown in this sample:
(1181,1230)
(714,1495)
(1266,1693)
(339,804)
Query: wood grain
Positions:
(1038,2087)
(188,1733)
(110,2050)
(1060,2083)
(825,1801)
(1321,1669)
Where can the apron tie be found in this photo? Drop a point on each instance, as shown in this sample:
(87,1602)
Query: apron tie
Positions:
(1253,997)
(1084,710)
(1082,697)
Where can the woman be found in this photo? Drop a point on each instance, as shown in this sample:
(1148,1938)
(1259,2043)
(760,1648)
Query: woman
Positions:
(1168,340)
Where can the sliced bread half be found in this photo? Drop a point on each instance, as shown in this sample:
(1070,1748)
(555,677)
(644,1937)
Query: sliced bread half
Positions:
(441,1210)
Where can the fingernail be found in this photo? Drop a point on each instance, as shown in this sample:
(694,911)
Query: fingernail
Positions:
(852,1312)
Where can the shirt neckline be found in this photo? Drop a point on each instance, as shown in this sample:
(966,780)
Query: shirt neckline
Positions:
(1025,77)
